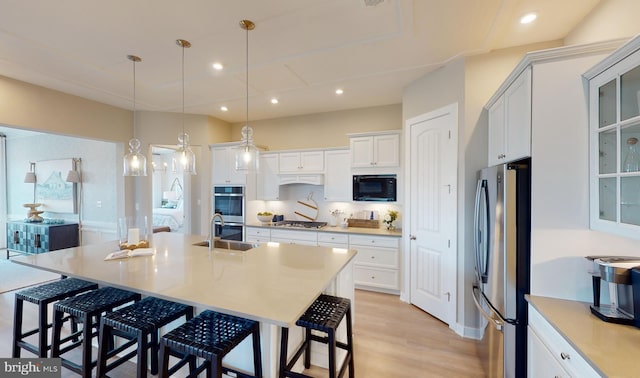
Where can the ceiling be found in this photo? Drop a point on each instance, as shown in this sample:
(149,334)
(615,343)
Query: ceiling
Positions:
(300,52)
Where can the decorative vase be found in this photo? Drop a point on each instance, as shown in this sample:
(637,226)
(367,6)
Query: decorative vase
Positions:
(390,226)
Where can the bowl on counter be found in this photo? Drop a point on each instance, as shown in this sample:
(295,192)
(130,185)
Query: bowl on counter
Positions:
(265,218)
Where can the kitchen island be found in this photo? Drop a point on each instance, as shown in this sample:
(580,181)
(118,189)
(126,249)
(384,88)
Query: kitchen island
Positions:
(273,283)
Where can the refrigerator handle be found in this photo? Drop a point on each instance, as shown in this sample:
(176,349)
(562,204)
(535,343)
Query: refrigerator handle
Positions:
(498,323)
(476,237)
(481,256)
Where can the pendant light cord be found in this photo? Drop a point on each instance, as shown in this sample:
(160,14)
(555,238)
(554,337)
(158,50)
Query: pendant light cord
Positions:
(247,89)
(134,97)
(183,142)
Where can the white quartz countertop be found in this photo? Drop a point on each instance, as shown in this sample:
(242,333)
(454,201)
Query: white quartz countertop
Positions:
(347,230)
(612,349)
(271,283)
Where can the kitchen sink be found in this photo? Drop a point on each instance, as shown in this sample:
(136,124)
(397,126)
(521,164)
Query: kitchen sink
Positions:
(231,245)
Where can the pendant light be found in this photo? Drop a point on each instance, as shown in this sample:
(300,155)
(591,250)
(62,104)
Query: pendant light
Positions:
(184,156)
(247,155)
(135,163)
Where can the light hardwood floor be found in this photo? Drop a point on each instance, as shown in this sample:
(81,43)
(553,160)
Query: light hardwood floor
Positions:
(395,339)
(392,339)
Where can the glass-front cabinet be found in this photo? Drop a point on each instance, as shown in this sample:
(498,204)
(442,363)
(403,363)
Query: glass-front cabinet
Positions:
(614,103)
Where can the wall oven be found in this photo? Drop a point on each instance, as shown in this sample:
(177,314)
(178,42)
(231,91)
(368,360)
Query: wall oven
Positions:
(229,201)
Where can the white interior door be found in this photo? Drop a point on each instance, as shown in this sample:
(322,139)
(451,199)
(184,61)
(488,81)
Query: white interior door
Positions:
(432,142)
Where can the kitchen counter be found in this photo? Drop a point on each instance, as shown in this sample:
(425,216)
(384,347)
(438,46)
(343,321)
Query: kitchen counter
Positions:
(348,230)
(273,284)
(611,349)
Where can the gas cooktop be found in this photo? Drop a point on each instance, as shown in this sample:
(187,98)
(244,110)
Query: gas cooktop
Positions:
(299,224)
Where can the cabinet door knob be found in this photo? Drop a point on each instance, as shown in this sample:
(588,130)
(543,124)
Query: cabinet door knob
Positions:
(565,356)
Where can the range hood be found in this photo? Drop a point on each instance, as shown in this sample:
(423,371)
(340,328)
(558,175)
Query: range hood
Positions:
(310,179)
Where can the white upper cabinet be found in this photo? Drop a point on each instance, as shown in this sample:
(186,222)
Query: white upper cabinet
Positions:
(337,177)
(223,166)
(614,124)
(268,184)
(510,122)
(302,162)
(375,150)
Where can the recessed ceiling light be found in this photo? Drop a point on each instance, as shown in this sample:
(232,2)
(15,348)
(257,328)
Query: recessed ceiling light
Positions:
(224,108)
(217,66)
(274,101)
(528,18)
(339,91)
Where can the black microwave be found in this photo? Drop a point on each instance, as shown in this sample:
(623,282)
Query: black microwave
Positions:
(380,188)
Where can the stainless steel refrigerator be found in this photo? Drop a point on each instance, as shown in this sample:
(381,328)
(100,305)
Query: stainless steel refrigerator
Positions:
(502,239)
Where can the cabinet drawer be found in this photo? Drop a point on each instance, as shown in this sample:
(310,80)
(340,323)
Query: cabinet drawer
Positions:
(333,237)
(373,241)
(559,347)
(387,258)
(311,236)
(256,232)
(382,278)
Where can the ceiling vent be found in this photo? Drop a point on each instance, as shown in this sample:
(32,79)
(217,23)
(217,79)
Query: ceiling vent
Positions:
(372,3)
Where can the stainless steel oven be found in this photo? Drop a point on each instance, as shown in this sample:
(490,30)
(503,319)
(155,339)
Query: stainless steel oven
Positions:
(229,201)
(230,231)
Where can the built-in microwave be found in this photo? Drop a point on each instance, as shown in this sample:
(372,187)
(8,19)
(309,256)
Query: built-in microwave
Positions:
(380,188)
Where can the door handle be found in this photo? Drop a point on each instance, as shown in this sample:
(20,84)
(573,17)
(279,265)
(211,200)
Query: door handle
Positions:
(412,237)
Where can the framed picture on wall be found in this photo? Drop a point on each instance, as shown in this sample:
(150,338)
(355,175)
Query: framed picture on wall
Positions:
(52,190)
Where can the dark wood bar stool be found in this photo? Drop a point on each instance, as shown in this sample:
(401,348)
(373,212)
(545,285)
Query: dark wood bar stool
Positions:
(211,336)
(42,296)
(137,323)
(324,315)
(86,309)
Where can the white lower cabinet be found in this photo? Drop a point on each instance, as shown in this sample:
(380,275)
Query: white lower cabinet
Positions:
(295,237)
(377,264)
(550,354)
(541,362)
(375,267)
(333,239)
(258,235)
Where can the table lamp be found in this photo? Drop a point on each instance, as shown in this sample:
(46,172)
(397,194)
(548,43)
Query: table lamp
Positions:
(33,215)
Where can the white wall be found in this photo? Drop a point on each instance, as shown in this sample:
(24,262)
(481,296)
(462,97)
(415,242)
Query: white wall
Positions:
(560,185)
(470,83)
(100,173)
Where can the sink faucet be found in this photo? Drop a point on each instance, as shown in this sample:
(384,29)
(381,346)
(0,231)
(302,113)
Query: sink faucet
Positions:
(212,232)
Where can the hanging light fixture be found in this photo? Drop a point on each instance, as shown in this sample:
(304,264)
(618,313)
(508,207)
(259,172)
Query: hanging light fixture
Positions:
(247,155)
(135,163)
(184,155)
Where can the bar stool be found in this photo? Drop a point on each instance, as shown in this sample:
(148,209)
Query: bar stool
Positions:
(324,315)
(42,296)
(137,323)
(85,308)
(211,336)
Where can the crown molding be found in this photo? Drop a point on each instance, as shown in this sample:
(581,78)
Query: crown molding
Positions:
(551,55)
